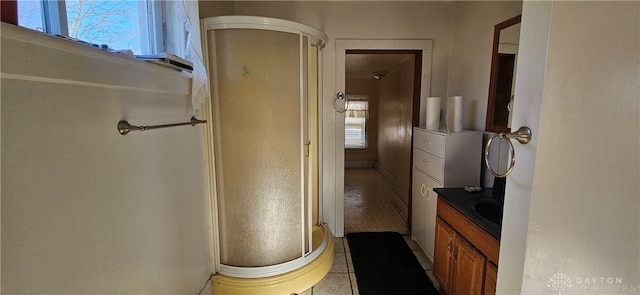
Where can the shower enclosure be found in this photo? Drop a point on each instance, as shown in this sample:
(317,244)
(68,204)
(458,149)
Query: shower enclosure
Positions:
(265,83)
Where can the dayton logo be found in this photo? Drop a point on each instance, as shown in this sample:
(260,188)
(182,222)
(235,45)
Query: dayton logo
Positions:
(560,282)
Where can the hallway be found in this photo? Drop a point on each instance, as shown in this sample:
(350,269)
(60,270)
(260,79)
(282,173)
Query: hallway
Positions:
(367,207)
(367,203)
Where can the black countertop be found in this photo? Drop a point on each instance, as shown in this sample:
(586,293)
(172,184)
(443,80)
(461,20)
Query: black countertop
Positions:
(462,200)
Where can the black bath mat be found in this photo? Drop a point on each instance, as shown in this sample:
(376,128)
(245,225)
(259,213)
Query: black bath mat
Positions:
(384,264)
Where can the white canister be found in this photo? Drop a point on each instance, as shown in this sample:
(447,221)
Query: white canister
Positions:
(455,106)
(433,113)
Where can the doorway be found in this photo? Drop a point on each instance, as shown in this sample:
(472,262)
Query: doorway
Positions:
(379,62)
(381,88)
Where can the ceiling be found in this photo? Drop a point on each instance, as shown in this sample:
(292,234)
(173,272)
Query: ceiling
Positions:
(362,66)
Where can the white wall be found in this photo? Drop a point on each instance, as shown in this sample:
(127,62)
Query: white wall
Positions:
(470,62)
(585,203)
(85,209)
(471,50)
(356,20)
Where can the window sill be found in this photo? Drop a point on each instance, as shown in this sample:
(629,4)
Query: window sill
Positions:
(33,55)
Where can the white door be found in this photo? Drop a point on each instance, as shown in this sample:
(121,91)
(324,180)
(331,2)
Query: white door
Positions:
(419,206)
(423,219)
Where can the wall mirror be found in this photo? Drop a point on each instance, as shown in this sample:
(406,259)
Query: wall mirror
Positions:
(506,37)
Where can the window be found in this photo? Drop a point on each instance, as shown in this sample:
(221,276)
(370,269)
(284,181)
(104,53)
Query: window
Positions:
(143,26)
(355,122)
(120,25)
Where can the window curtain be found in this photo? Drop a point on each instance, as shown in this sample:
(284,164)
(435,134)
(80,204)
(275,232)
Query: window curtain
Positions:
(186,13)
(357,109)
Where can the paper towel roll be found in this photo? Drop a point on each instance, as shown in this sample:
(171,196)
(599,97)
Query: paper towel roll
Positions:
(433,113)
(454,113)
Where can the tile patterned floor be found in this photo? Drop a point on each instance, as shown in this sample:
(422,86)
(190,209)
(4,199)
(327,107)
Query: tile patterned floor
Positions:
(367,203)
(367,208)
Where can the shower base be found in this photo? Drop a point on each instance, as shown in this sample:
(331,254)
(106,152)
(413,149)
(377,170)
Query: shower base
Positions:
(295,281)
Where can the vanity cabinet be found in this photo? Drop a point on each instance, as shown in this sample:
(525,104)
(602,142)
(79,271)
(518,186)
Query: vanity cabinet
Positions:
(458,266)
(440,159)
(464,255)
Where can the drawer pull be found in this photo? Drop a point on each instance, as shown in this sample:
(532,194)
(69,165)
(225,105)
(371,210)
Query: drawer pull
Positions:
(428,195)
(422,189)
(426,141)
(426,162)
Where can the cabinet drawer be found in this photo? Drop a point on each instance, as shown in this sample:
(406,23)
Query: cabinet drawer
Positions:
(432,143)
(429,164)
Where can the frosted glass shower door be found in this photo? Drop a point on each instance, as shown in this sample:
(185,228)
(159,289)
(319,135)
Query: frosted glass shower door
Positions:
(260,121)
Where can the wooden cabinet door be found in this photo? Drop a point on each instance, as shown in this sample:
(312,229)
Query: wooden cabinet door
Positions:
(468,270)
(490,279)
(443,255)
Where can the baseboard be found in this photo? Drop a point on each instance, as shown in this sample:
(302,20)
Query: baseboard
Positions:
(359,164)
(404,217)
(402,207)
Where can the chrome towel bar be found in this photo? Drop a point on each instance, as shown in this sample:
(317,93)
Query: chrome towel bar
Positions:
(124,127)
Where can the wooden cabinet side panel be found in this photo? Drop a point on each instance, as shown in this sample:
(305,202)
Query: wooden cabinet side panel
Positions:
(490,279)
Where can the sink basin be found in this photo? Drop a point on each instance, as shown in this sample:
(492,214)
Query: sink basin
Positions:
(488,209)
